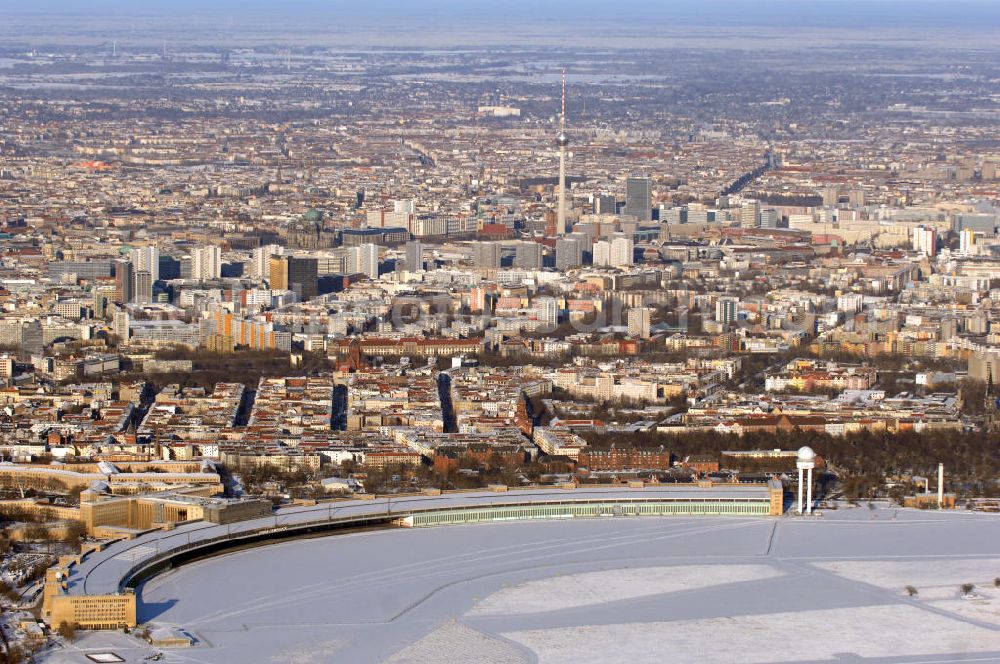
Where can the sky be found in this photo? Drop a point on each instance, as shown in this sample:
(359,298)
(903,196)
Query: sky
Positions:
(463,23)
(807,13)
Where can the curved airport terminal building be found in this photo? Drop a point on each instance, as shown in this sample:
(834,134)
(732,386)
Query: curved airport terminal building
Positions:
(94,590)
(577,573)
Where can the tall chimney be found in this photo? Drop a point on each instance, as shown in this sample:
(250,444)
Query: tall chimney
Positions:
(940,485)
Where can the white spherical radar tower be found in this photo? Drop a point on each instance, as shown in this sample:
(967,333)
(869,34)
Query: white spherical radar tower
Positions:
(806,461)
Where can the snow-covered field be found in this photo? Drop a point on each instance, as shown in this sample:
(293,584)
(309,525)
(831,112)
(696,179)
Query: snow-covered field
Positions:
(573,590)
(939,578)
(682,589)
(869,632)
(455,643)
(937,583)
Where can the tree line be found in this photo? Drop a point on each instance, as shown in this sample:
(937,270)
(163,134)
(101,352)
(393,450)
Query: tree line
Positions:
(862,461)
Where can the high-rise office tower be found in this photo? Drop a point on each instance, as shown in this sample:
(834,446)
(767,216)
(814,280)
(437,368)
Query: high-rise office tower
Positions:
(486,255)
(363,259)
(925,240)
(32,337)
(768,218)
(299,275)
(277,273)
(639,198)
(124,281)
(639,322)
(528,255)
(302,275)
(831,196)
(966,241)
(622,250)
(750,214)
(602,253)
(100,304)
(586,243)
(851,303)
(547,310)
(120,325)
(569,253)
(605,204)
(146,259)
(673,215)
(478,299)
(277,278)
(726,310)
(369,260)
(143,290)
(260,263)
(206,263)
(169,267)
(414,256)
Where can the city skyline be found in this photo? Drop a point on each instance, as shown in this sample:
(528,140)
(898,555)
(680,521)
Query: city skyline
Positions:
(437,332)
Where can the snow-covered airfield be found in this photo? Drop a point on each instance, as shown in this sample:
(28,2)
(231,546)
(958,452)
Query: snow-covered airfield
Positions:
(829,588)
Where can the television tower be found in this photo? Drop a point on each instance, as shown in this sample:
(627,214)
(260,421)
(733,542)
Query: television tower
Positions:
(562,140)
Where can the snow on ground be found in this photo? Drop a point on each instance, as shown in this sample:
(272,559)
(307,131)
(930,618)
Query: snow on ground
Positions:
(713,589)
(589,588)
(985,608)
(873,631)
(922,574)
(454,643)
(315,652)
(130,649)
(937,582)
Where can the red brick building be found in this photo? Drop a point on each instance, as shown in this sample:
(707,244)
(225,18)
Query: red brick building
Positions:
(447,457)
(702,463)
(631,458)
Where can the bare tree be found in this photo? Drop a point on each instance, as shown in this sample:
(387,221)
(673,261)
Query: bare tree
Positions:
(66,630)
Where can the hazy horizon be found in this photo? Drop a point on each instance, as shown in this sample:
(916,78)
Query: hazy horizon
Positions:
(444,23)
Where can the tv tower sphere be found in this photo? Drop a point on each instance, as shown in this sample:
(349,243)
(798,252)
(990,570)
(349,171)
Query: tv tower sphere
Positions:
(562,140)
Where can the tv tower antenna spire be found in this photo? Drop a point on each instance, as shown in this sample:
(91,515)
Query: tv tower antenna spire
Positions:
(562,140)
(562,114)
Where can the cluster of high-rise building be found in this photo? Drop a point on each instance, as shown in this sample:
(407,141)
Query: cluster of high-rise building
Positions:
(336,287)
